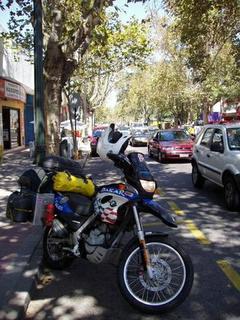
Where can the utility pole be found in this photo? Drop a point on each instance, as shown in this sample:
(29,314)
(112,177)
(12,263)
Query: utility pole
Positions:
(38,84)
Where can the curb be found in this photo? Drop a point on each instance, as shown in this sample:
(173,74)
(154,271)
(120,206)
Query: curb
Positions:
(20,287)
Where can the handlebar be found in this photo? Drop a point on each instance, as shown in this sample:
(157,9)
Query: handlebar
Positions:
(120,160)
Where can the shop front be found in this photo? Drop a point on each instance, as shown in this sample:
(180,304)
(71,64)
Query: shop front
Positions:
(12,102)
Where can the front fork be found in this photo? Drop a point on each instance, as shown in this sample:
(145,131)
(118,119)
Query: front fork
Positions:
(142,243)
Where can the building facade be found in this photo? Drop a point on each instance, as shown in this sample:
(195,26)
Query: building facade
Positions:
(16,94)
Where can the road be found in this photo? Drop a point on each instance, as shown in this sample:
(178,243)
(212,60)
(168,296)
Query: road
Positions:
(207,231)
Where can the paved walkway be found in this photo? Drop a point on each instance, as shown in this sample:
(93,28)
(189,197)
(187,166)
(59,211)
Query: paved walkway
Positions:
(20,252)
(19,260)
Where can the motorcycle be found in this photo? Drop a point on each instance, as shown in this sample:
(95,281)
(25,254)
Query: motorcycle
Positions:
(154,273)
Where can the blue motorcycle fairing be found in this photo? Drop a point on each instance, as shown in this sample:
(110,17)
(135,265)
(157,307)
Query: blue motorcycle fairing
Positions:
(62,206)
(158,211)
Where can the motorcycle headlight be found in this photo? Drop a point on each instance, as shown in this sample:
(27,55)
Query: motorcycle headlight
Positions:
(149,186)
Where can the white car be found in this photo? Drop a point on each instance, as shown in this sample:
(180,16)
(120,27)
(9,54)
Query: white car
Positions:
(216,157)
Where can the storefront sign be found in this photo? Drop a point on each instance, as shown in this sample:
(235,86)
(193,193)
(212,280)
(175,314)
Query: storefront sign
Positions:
(12,90)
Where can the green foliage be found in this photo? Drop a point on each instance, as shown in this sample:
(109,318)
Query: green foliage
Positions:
(205,27)
(197,66)
(104,115)
(115,46)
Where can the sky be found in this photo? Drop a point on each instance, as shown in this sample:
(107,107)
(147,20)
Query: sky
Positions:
(127,10)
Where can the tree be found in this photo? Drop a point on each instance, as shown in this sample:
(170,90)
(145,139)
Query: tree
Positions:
(205,28)
(124,45)
(166,88)
(68,30)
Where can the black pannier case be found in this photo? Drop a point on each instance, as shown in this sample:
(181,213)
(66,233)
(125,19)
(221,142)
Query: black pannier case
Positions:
(20,206)
(56,163)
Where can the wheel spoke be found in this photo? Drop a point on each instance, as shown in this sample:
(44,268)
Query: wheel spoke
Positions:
(169,275)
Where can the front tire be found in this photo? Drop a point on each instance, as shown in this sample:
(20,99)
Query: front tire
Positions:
(149,153)
(160,157)
(53,254)
(173,276)
(197,179)
(231,194)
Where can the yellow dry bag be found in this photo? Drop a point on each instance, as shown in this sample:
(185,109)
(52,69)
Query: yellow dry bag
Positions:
(64,181)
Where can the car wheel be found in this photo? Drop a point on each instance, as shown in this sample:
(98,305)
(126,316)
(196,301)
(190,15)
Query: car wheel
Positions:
(160,158)
(231,194)
(149,153)
(197,179)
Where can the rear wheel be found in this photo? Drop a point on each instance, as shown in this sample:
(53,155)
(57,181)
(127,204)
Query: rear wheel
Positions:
(172,276)
(53,253)
(231,194)
(197,179)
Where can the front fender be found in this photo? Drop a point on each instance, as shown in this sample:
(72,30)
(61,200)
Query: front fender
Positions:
(158,211)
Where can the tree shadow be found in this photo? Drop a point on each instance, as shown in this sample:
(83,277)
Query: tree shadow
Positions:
(86,291)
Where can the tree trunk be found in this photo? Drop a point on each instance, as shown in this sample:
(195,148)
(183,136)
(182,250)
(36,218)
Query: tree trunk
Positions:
(56,72)
(52,101)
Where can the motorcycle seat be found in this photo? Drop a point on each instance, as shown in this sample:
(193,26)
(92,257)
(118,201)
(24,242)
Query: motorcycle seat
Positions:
(79,203)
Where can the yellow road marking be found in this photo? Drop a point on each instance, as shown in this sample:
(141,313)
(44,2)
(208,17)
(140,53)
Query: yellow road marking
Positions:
(175,208)
(232,274)
(198,234)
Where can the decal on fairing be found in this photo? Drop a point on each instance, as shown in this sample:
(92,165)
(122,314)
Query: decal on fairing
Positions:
(62,206)
(122,193)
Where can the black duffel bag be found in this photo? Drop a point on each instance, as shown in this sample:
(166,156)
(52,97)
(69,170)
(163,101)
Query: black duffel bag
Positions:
(56,163)
(20,206)
(31,179)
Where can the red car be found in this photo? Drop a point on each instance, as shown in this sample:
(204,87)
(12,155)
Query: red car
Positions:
(170,144)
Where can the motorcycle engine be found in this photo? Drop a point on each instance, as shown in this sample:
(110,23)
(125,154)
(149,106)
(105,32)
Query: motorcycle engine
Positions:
(97,237)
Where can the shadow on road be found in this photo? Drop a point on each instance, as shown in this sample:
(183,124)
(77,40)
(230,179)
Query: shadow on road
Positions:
(86,291)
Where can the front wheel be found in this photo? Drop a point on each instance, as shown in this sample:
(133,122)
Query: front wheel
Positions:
(172,276)
(149,153)
(160,157)
(197,179)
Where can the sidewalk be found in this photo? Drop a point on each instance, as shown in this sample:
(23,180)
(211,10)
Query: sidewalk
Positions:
(19,253)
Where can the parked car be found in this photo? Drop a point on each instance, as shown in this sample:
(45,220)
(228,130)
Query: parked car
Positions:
(125,130)
(216,157)
(170,144)
(97,131)
(137,126)
(139,137)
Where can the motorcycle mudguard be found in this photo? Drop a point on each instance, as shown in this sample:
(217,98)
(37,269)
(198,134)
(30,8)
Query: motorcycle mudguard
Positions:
(158,211)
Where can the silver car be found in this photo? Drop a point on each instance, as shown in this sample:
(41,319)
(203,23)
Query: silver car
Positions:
(216,157)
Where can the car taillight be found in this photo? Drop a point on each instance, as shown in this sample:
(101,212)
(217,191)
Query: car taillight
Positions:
(49,214)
